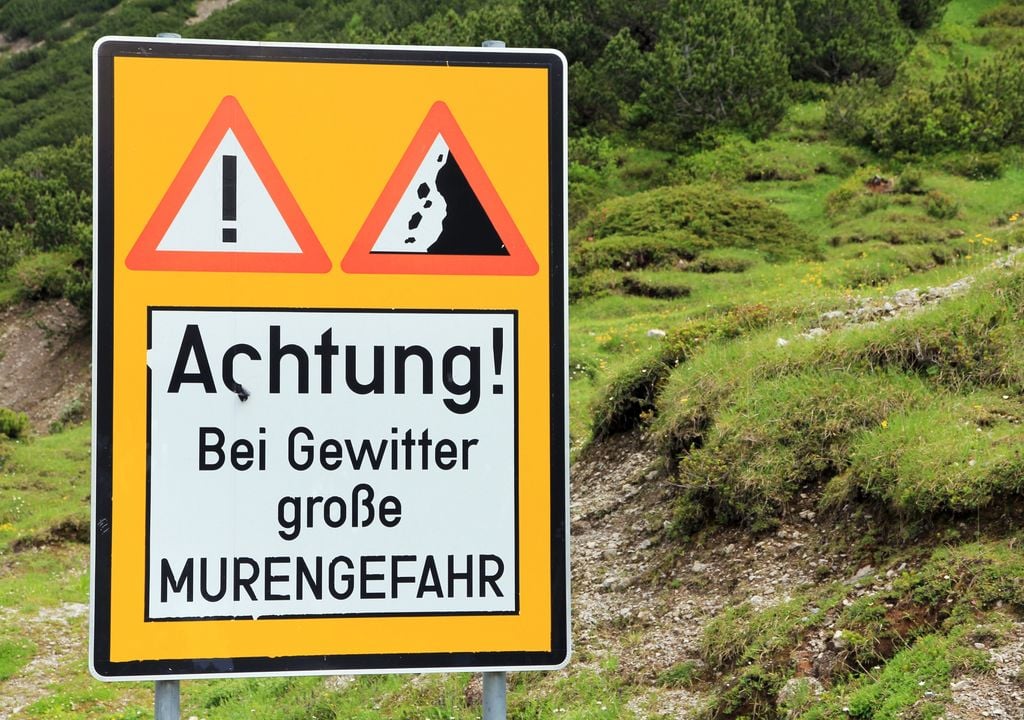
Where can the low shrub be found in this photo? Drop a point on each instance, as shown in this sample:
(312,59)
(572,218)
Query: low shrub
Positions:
(13,424)
(941,206)
(650,287)
(1008,15)
(15,244)
(726,260)
(976,166)
(976,108)
(846,112)
(631,252)
(853,190)
(46,275)
(708,216)
(593,285)
(910,181)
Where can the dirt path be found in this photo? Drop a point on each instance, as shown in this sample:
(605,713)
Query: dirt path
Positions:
(60,639)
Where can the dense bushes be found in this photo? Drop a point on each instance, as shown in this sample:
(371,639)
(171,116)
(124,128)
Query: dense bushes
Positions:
(716,63)
(841,38)
(39,20)
(665,70)
(45,231)
(977,107)
(672,69)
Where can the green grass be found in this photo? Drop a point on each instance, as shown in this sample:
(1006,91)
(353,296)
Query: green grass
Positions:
(917,677)
(44,489)
(584,694)
(14,655)
(894,412)
(959,453)
(44,565)
(774,437)
(901,644)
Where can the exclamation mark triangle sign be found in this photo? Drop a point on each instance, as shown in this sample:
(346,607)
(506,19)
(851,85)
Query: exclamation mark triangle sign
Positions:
(228,209)
(439,214)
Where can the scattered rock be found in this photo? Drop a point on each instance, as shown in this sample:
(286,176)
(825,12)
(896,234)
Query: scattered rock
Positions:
(906,298)
(656,333)
(474,694)
(861,574)
(797,688)
(838,641)
(781,342)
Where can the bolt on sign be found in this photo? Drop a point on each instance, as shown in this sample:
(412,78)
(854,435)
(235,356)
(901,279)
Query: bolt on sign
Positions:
(330,359)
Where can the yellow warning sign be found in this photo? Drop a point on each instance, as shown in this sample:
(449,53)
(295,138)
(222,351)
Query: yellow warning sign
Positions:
(330,429)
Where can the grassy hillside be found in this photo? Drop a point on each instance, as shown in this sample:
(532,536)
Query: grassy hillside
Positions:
(807,332)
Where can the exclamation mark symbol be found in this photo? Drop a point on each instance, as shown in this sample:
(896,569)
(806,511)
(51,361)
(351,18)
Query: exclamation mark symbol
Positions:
(498,340)
(229,178)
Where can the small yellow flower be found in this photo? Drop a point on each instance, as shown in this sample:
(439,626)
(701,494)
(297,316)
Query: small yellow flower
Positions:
(885,424)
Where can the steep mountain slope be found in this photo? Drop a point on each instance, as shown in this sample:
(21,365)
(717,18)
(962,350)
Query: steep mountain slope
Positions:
(796,385)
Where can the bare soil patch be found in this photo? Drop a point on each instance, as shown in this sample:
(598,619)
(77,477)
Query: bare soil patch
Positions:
(206,8)
(645,599)
(13,47)
(45,368)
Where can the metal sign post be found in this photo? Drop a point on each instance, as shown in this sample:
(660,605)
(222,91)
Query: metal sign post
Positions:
(494,696)
(168,700)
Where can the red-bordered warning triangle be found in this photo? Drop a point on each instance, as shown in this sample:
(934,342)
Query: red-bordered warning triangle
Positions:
(439,214)
(228,209)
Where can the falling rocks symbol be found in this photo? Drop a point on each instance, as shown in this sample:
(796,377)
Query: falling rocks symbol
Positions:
(466,228)
(439,213)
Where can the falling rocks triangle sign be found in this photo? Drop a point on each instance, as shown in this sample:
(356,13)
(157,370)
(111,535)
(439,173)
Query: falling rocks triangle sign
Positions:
(228,209)
(439,213)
